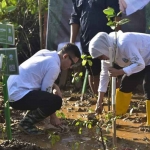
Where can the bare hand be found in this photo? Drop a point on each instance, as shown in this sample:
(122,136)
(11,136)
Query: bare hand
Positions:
(115,72)
(57,92)
(54,120)
(99,108)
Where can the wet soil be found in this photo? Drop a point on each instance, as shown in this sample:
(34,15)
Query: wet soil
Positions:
(130,129)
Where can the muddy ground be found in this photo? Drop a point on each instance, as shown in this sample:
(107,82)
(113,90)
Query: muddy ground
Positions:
(131,135)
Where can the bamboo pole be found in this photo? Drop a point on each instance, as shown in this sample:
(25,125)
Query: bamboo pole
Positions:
(6,105)
(40,24)
(113,93)
(84,85)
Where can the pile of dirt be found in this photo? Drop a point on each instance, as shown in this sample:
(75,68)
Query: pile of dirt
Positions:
(18,145)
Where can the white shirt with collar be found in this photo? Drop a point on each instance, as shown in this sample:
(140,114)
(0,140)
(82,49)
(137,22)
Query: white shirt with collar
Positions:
(39,72)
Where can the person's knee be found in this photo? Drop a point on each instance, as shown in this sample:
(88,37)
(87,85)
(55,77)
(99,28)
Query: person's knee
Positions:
(58,102)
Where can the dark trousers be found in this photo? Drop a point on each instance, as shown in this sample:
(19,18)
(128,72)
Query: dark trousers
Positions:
(129,83)
(48,103)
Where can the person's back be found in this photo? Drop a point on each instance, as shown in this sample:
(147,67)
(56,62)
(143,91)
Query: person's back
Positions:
(89,17)
(32,74)
(133,45)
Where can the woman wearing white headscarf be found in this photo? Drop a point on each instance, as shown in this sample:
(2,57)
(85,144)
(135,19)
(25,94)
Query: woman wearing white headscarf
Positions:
(133,55)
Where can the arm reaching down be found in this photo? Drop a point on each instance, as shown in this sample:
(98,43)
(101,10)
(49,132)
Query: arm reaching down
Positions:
(103,84)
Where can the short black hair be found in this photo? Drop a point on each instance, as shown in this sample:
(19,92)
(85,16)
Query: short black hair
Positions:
(71,49)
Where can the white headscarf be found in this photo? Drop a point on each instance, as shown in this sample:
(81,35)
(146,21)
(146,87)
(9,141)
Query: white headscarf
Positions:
(100,43)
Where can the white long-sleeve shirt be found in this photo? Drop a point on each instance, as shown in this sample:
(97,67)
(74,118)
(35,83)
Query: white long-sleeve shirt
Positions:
(39,72)
(133,55)
(131,6)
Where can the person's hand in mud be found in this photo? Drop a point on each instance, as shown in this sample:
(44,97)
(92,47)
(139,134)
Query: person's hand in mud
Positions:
(115,72)
(54,120)
(99,105)
(99,108)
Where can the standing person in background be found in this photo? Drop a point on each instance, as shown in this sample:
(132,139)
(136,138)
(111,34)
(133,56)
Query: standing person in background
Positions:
(88,16)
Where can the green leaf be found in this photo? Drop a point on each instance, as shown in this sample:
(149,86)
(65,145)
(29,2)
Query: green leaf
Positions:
(77,123)
(3,4)
(14,2)
(77,79)
(58,114)
(54,139)
(89,126)
(63,115)
(77,144)
(10,8)
(81,74)
(123,21)
(111,16)
(90,62)
(119,13)
(109,11)
(84,62)
(111,23)
(73,80)
(105,139)
(90,111)
(80,131)
(83,56)
(89,56)
(108,18)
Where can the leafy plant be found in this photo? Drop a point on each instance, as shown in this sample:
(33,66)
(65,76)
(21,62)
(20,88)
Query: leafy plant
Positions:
(110,14)
(54,138)
(113,23)
(3,131)
(23,14)
(77,77)
(75,146)
(60,114)
(86,59)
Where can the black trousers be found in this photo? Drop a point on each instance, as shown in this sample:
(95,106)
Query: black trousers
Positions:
(48,103)
(129,83)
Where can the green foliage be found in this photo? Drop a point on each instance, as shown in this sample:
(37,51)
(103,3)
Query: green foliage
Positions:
(24,15)
(91,110)
(86,59)
(83,123)
(54,139)
(77,77)
(2,131)
(110,14)
(75,146)
(60,114)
